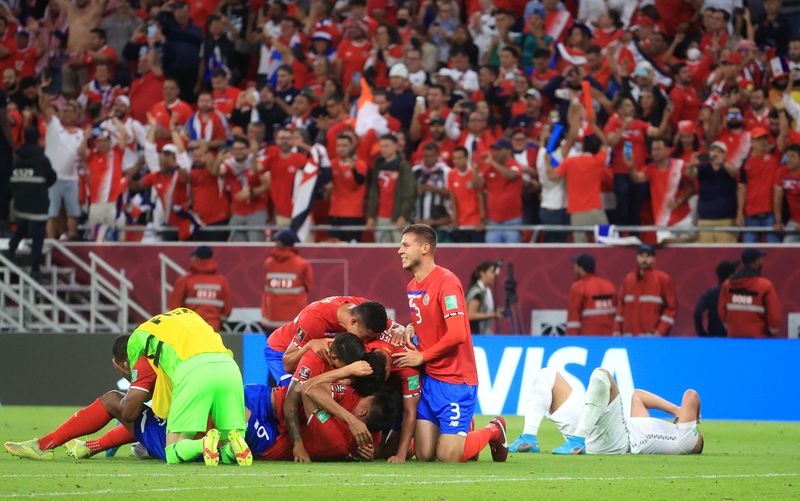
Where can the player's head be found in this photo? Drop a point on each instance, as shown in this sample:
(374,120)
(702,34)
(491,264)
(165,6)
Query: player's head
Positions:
(379,411)
(346,349)
(417,246)
(367,320)
(119,355)
(371,384)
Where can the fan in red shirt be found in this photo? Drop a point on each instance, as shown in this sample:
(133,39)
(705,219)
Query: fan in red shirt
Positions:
(464,184)
(755,193)
(210,199)
(208,126)
(348,189)
(787,186)
(450,385)
(99,52)
(685,100)
(670,188)
(282,164)
(503,179)
(340,122)
(104,166)
(165,110)
(585,175)
(436,108)
(26,55)
(225,95)
(353,52)
(147,88)
(438,137)
(248,188)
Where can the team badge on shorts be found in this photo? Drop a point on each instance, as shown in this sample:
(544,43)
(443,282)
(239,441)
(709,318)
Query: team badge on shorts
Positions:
(426,300)
(304,373)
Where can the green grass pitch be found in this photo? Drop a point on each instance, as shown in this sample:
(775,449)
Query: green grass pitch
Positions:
(743,460)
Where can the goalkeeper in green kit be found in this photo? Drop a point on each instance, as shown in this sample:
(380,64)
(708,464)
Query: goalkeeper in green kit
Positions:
(197,378)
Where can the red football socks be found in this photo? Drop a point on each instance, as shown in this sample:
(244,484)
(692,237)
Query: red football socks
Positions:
(115,437)
(87,420)
(476,441)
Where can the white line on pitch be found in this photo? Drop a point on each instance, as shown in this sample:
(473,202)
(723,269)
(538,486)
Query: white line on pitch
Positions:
(392,484)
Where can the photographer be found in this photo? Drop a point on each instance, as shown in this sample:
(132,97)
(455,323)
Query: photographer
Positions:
(480,300)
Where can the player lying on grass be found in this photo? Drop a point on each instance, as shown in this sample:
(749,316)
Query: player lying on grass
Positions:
(307,332)
(597,424)
(450,383)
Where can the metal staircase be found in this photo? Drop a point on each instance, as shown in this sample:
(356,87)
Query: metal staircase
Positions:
(73,295)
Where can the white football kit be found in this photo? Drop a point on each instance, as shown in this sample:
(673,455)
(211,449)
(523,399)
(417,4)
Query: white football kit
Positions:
(650,435)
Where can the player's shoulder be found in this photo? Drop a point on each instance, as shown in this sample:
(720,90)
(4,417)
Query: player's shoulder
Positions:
(446,277)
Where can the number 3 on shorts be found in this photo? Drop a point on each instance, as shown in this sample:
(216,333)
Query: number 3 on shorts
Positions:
(456,410)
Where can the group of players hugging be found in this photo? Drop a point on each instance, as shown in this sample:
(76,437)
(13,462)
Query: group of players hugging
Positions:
(346,383)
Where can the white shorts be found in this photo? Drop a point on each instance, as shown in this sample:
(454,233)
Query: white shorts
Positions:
(610,435)
(566,417)
(655,436)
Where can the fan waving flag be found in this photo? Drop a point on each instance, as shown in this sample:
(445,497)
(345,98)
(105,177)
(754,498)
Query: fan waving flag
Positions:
(368,116)
(305,182)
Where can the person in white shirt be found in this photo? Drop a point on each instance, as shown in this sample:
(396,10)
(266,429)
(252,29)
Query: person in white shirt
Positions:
(63,139)
(553,203)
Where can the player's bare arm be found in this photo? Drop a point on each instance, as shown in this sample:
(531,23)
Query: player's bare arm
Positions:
(406,429)
(291,408)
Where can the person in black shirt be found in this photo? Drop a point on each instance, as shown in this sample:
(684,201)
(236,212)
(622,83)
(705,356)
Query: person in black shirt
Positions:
(708,303)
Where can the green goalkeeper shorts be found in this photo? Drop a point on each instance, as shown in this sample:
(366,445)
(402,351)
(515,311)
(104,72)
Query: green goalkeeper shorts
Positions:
(208,384)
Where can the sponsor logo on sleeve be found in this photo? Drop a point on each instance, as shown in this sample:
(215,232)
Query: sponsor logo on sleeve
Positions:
(322,416)
(413,383)
(304,373)
(340,388)
(301,334)
(134,375)
(450,303)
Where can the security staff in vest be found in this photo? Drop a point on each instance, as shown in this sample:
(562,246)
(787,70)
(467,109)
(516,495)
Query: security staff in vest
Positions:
(203,290)
(749,305)
(30,179)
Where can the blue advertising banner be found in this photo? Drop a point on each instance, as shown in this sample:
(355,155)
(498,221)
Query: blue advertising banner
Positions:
(742,379)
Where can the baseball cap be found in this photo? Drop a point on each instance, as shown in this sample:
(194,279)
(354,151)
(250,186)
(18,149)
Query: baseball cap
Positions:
(287,238)
(693,54)
(585,261)
(446,72)
(170,148)
(321,35)
(646,249)
(643,69)
(202,252)
(759,132)
(399,70)
(124,100)
(750,255)
(534,93)
(720,146)
(23,31)
(686,127)
(502,143)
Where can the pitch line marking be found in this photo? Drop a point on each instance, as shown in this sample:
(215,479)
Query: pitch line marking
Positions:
(393,484)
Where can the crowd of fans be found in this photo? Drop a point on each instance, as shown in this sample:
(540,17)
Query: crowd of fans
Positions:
(191,117)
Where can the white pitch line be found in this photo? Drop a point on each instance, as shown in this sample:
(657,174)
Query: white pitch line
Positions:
(395,484)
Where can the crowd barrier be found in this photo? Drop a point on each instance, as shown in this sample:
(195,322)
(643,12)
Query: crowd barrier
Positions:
(737,379)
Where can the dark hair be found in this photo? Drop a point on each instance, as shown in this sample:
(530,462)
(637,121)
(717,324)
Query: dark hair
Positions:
(725,269)
(219,72)
(339,98)
(348,348)
(541,52)
(621,99)
(389,137)
(100,32)
(461,149)
(678,152)
(616,18)
(476,273)
(431,147)
(656,139)
(287,68)
(372,315)
(348,137)
(381,92)
(31,135)
(491,68)
(594,49)
(514,52)
(119,350)
(440,87)
(794,148)
(425,233)
(591,144)
(384,411)
(369,385)
(240,139)
(676,68)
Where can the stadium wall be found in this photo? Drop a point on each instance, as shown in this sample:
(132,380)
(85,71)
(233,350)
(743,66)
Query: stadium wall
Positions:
(543,273)
(736,379)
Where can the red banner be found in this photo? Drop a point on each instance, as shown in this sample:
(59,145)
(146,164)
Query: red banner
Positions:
(543,274)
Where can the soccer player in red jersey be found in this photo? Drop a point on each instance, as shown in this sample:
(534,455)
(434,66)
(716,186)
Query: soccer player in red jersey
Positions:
(450,383)
(321,319)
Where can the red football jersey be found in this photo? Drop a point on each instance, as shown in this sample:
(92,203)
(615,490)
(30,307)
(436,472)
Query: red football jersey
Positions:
(143,377)
(316,321)
(405,379)
(431,302)
(310,365)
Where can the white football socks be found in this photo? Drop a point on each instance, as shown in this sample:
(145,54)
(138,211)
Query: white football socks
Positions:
(596,401)
(539,399)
